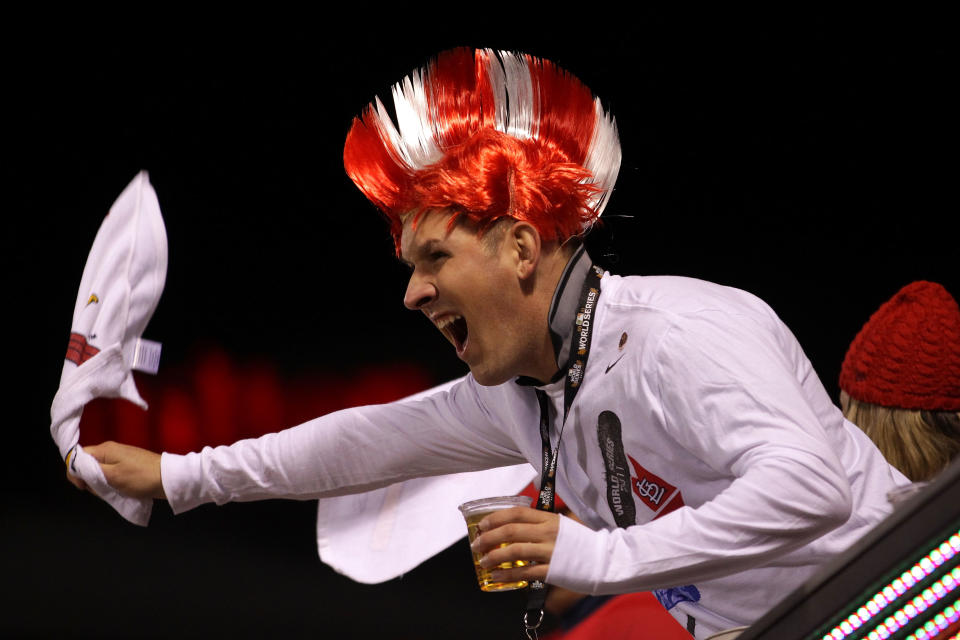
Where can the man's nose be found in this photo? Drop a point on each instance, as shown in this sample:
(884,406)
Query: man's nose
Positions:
(420,292)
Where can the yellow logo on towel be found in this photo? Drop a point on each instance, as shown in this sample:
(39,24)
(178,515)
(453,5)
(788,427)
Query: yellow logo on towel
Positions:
(93,298)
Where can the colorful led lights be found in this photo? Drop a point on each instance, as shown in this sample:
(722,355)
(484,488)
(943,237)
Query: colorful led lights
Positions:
(938,623)
(897,587)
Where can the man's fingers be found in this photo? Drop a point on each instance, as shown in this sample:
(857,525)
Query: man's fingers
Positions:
(75,481)
(516,525)
(529,572)
(519,534)
(514,532)
(524,551)
(516,514)
(111,452)
(98,451)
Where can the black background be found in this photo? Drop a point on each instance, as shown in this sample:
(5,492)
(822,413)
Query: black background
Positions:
(801,157)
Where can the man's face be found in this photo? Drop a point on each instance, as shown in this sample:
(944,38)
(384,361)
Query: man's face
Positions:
(469,288)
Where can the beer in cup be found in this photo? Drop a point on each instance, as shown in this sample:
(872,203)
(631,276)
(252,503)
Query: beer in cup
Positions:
(475,511)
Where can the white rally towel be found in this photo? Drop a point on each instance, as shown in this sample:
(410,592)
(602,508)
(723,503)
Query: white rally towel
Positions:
(379,535)
(119,291)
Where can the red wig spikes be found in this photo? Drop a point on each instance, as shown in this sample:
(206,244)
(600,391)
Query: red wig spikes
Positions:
(494,175)
(488,135)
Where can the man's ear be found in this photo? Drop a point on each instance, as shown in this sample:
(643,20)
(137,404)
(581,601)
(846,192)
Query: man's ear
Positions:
(525,240)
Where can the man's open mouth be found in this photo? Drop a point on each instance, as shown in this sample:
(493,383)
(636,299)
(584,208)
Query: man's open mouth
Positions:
(455,330)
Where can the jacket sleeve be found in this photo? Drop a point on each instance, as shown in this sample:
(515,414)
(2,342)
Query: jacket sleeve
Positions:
(349,451)
(730,396)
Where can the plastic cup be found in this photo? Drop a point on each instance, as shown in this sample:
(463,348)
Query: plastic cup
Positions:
(475,511)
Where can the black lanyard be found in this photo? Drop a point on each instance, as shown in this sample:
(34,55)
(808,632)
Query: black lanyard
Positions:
(576,365)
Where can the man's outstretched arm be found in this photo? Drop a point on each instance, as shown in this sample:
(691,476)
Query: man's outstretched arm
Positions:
(349,451)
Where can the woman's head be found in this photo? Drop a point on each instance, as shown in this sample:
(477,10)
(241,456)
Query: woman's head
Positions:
(900,379)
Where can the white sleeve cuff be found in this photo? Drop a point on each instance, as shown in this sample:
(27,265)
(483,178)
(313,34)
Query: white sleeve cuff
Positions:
(181,478)
(578,557)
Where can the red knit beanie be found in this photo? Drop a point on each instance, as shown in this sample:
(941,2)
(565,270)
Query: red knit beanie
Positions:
(907,356)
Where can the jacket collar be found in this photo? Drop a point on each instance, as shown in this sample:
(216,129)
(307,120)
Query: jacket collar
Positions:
(563,309)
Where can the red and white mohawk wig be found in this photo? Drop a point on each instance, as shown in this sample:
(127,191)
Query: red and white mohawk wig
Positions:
(488,135)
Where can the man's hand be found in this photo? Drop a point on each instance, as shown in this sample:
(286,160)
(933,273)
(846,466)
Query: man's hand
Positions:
(132,471)
(532,535)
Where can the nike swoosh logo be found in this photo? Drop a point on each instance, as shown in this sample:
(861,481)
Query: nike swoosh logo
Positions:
(614,363)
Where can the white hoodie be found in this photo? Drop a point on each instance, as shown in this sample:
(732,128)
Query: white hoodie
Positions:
(701,452)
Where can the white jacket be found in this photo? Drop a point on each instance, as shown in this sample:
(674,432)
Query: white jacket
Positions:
(700,427)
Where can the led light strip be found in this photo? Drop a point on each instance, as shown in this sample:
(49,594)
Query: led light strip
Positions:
(923,568)
(903,616)
(939,622)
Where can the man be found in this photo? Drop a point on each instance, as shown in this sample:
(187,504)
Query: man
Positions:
(680,420)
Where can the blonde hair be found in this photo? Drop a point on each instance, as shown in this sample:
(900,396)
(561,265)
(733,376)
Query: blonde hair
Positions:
(918,443)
